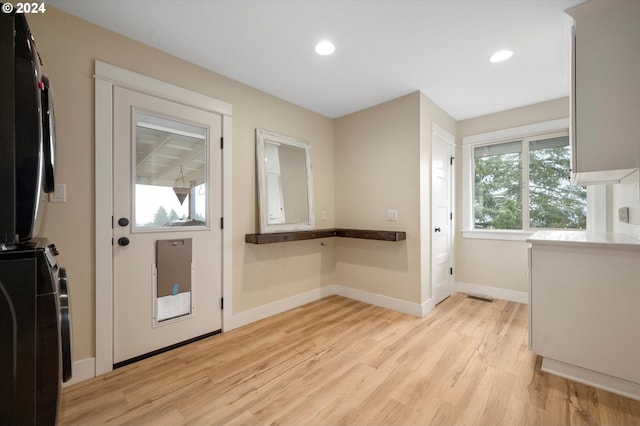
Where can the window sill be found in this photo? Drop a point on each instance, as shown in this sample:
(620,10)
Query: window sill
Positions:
(485,234)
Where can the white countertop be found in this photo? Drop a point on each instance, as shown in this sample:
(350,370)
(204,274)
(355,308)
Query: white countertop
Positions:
(585,238)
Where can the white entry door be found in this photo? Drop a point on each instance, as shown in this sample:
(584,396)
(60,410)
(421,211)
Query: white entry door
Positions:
(167,242)
(441,214)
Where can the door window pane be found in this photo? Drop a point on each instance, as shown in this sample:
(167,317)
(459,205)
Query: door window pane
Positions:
(170,173)
(553,201)
(498,186)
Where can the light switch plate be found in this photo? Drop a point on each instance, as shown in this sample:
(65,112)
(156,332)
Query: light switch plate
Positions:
(59,195)
(392,215)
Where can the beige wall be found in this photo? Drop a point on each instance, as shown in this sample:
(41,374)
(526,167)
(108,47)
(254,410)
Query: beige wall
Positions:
(68,47)
(496,263)
(377,169)
(382,156)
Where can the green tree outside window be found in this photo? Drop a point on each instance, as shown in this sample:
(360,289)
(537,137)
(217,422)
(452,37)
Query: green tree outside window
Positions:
(552,201)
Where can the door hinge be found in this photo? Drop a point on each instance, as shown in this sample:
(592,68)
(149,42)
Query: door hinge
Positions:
(450,271)
(221,142)
(221,223)
(451,160)
(450,215)
(222,303)
(111,222)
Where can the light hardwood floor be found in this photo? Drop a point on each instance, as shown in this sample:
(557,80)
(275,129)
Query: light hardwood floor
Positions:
(343,362)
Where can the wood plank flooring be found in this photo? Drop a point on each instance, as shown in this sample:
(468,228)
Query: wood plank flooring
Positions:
(342,362)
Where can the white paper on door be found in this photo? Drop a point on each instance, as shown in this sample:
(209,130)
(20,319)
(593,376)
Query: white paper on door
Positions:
(173,306)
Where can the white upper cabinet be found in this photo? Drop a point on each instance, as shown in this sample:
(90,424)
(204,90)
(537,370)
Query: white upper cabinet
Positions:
(605,92)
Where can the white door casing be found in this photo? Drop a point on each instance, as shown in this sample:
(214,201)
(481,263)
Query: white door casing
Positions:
(153,151)
(442,150)
(107,77)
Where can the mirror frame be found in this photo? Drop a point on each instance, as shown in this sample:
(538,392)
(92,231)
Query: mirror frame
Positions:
(262,137)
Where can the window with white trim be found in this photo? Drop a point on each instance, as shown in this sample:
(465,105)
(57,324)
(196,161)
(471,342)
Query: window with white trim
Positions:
(521,183)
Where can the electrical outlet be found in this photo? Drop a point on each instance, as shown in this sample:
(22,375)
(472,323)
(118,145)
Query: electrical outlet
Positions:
(323,215)
(623,214)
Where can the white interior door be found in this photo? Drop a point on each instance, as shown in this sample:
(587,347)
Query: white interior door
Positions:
(167,255)
(441,215)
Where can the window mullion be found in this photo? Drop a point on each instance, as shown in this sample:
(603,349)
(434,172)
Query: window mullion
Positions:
(525,185)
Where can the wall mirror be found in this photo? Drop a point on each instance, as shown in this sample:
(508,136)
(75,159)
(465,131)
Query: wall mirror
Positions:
(285,183)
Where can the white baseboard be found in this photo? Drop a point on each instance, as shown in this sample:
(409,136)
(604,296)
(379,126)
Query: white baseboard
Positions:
(279,306)
(426,307)
(82,370)
(592,378)
(495,292)
(415,309)
(273,308)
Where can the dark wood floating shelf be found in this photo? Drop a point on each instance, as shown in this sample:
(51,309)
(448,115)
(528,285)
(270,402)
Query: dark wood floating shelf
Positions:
(280,237)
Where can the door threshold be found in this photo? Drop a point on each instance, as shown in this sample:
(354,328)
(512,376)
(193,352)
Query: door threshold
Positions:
(162,350)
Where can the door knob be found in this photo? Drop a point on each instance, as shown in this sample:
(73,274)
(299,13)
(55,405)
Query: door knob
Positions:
(437,230)
(123,221)
(123,241)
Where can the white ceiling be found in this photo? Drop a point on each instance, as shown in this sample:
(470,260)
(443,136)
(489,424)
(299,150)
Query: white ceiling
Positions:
(384,48)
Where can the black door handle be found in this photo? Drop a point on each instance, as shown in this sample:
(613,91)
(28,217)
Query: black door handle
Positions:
(123,241)
(437,230)
(123,221)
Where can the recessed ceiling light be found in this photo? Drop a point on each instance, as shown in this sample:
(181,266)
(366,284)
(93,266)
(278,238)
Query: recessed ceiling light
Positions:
(325,48)
(500,56)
